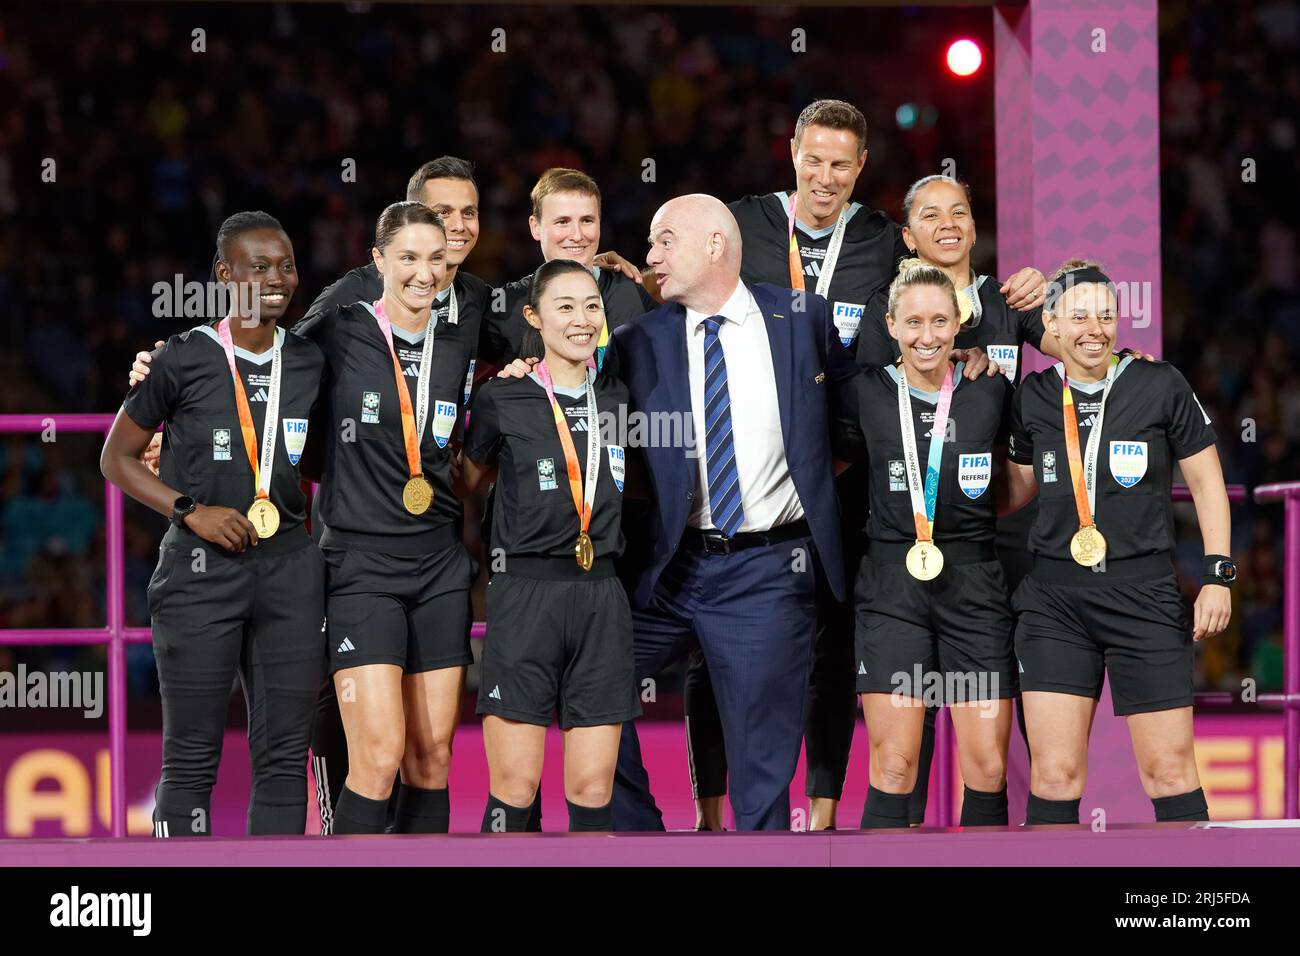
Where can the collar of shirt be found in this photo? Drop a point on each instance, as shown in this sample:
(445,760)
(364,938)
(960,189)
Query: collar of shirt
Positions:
(735,309)
(809,231)
(932,398)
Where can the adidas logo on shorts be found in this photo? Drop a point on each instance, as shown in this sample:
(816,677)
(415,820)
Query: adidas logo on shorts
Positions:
(496,692)
(346,646)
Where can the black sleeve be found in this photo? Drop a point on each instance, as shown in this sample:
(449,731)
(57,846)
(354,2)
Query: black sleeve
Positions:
(647,300)
(876,347)
(346,290)
(1004,421)
(494,346)
(318,325)
(1187,424)
(1030,327)
(1020,447)
(848,443)
(152,402)
(483,438)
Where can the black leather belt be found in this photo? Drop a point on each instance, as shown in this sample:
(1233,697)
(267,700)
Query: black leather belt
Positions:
(715,542)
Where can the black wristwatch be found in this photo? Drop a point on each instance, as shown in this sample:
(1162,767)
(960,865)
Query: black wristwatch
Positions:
(182,506)
(1218,569)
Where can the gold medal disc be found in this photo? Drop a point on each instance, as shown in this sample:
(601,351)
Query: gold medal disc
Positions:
(584,551)
(924,561)
(417,495)
(265,517)
(1088,547)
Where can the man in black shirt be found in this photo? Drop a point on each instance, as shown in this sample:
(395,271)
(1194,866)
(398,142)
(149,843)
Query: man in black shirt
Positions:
(565,221)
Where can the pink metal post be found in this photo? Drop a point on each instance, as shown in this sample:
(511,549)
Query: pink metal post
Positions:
(1289,491)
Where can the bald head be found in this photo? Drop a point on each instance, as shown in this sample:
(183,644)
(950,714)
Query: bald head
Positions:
(695,251)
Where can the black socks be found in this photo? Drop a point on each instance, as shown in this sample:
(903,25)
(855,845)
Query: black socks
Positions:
(1051,811)
(358,814)
(422,811)
(500,817)
(979,808)
(591,819)
(1182,806)
(884,810)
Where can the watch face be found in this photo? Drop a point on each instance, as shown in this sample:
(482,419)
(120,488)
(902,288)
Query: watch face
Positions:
(1226,570)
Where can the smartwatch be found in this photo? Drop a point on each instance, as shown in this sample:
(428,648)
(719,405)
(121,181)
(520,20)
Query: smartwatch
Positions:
(1218,569)
(182,506)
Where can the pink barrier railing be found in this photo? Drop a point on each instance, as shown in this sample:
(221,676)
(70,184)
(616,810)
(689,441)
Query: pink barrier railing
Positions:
(117,635)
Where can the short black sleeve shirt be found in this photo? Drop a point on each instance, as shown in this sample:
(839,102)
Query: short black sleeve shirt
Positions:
(965,509)
(511,426)
(872,246)
(1152,420)
(190,391)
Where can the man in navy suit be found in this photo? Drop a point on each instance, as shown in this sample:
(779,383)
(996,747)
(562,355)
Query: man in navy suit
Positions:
(743,517)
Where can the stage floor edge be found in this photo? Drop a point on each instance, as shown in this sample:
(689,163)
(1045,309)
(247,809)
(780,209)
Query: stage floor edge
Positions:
(1251,843)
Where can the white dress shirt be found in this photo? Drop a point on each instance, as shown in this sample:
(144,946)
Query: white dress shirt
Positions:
(767,493)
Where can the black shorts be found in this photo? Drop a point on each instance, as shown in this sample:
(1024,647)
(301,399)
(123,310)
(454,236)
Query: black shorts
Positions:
(410,610)
(941,641)
(561,646)
(1069,635)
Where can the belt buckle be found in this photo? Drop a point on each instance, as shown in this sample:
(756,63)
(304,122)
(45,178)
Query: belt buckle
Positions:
(716,543)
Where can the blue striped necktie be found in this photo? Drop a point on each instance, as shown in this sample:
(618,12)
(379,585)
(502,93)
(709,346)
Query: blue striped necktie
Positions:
(719,443)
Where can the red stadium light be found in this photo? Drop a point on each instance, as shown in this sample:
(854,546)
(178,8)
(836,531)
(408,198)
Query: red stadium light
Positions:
(964,57)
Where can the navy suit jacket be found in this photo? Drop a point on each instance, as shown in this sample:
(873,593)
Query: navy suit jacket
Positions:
(813,371)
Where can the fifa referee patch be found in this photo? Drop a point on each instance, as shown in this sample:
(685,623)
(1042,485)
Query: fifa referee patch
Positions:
(546,474)
(221,444)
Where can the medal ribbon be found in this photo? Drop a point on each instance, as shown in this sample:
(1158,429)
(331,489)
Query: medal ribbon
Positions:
(584,495)
(924,498)
(832,253)
(1083,470)
(264,464)
(413,421)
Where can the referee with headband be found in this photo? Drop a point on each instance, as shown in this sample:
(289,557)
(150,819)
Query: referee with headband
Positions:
(1097,438)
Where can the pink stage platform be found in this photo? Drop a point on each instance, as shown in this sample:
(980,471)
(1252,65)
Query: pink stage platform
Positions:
(1271,843)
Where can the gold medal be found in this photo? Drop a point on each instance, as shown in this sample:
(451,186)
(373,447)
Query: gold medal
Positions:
(417,495)
(265,517)
(924,561)
(965,307)
(584,551)
(1088,547)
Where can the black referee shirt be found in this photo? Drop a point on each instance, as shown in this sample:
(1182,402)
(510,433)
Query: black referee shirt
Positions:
(1001,331)
(511,426)
(190,390)
(1152,420)
(364,465)
(624,300)
(872,246)
(965,510)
